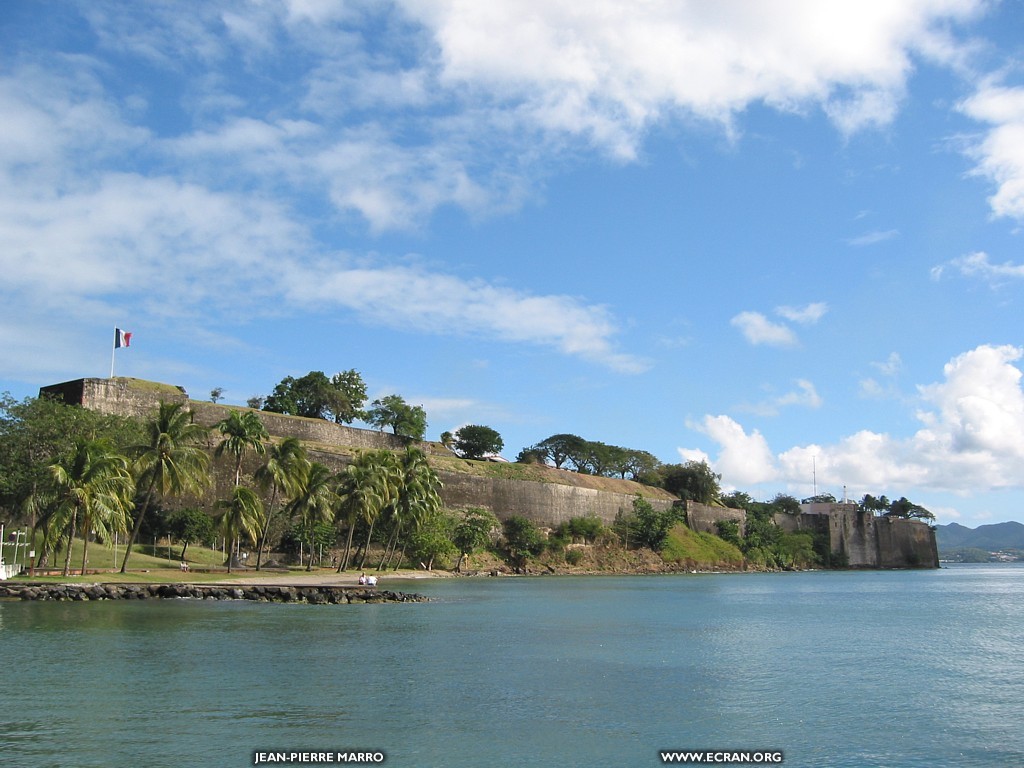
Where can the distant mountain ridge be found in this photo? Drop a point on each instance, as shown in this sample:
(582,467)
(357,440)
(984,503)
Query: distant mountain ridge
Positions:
(991,538)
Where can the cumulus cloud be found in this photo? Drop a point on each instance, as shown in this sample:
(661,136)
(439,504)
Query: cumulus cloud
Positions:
(971,439)
(607,70)
(807,315)
(758,329)
(1000,152)
(743,459)
(805,395)
(453,82)
(977,265)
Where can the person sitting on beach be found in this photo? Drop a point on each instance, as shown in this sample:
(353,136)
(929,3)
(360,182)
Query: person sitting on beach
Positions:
(371,581)
(184,565)
(362,579)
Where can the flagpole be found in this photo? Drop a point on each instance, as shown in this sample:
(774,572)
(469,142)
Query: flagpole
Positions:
(113,351)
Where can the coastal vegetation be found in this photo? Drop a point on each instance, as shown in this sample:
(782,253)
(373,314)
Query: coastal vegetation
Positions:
(72,475)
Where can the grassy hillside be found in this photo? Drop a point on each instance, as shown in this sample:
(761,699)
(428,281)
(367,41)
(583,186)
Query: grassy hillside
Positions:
(694,549)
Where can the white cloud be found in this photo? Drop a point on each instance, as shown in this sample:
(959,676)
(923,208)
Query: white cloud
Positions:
(971,439)
(608,70)
(1000,154)
(891,366)
(758,329)
(805,395)
(876,236)
(742,459)
(410,297)
(808,315)
(445,109)
(977,265)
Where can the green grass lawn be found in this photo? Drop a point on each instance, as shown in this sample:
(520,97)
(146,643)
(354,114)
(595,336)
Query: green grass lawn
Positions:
(149,562)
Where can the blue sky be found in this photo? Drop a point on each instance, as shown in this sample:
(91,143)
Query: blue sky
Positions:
(782,236)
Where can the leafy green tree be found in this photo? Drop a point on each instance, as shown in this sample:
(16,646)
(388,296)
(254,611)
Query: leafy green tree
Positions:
(241,432)
(282,474)
(313,503)
(216,394)
(560,449)
(821,498)
(907,509)
(875,506)
(241,515)
(531,455)
(729,530)
(34,432)
(692,481)
(595,458)
(90,491)
(634,463)
(475,441)
(522,539)
(796,550)
(348,396)
(403,419)
(785,504)
(648,526)
(431,541)
(314,396)
(170,462)
(586,528)
(473,532)
(189,525)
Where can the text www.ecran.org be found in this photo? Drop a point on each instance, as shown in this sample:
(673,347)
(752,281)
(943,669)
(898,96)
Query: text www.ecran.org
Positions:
(724,756)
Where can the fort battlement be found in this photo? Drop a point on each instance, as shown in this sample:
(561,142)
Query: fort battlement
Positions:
(545,495)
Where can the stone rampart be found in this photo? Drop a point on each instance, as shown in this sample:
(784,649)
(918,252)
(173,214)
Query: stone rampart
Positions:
(701,517)
(866,541)
(547,504)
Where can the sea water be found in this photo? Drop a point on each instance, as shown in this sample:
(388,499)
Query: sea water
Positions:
(902,669)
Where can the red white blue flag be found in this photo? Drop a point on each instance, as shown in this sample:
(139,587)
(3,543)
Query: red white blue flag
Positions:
(122,338)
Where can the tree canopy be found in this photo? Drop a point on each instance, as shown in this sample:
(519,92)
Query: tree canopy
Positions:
(475,441)
(339,398)
(403,419)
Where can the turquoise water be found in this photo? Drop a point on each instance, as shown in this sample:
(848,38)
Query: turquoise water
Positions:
(835,669)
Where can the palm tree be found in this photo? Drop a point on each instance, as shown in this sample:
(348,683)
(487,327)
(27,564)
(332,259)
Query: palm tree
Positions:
(170,463)
(365,487)
(242,430)
(282,473)
(313,502)
(240,515)
(91,491)
(418,498)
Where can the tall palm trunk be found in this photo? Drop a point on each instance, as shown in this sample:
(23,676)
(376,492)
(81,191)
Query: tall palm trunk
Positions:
(389,547)
(343,565)
(138,525)
(71,538)
(366,549)
(85,550)
(266,530)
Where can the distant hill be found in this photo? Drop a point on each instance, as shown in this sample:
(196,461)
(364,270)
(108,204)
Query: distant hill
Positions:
(988,537)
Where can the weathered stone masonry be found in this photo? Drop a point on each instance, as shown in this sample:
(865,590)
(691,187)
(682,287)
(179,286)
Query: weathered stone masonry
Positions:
(866,541)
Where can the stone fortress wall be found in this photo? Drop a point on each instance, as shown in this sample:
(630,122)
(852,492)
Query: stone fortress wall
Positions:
(867,541)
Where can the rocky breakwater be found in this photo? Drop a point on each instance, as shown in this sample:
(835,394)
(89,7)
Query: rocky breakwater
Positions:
(316,595)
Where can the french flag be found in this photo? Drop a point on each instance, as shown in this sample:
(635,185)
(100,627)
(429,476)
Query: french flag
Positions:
(122,338)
